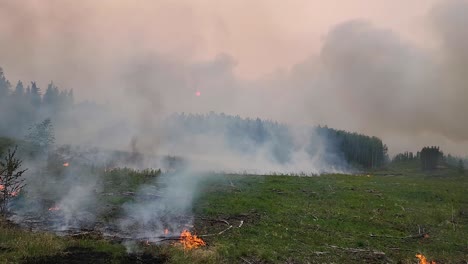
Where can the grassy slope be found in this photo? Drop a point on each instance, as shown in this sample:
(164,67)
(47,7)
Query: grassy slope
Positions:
(293,219)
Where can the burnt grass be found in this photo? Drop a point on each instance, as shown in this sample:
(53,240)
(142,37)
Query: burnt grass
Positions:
(376,217)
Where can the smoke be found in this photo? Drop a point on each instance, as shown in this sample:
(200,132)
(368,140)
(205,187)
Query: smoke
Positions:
(169,212)
(141,62)
(147,60)
(376,82)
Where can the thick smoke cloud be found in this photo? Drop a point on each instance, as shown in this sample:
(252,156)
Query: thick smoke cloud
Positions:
(363,77)
(392,87)
(140,65)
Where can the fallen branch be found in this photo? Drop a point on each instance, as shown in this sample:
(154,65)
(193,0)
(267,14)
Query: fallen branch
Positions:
(215,220)
(166,238)
(170,238)
(246,261)
(359,250)
(216,234)
(402,249)
(318,253)
(422,235)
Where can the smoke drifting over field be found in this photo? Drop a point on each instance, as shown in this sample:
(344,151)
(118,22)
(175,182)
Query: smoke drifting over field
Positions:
(141,61)
(146,60)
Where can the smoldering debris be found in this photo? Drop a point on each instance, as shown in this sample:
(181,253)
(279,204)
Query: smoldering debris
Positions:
(85,198)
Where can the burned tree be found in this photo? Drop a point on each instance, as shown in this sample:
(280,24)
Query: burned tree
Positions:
(11,179)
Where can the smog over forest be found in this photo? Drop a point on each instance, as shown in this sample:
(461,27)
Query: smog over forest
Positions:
(136,123)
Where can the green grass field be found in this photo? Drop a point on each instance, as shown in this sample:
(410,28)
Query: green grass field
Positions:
(383,217)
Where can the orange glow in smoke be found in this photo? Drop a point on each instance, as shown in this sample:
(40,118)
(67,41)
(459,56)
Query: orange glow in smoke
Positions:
(13,194)
(197,93)
(66,164)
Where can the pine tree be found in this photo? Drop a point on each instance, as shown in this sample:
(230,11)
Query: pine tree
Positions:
(41,135)
(51,96)
(19,90)
(4,85)
(36,99)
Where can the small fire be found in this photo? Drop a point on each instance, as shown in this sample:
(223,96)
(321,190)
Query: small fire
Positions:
(66,164)
(166,231)
(190,241)
(197,93)
(55,208)
(13,194)
(423,260)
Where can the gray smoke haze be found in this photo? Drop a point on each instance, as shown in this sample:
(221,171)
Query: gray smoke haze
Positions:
(143,62)
(140,61)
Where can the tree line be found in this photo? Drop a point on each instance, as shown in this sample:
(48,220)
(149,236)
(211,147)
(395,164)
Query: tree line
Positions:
(247,135)
(22,105)
(432,158)
(356,149)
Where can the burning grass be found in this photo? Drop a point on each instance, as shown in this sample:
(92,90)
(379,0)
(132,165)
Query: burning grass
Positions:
(423,260)
(190,241)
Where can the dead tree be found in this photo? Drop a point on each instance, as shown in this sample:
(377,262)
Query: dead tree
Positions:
(11,179)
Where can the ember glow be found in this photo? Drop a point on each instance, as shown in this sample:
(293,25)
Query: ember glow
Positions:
(190,241)
(423,260)
(166,231)
(13,194)
(66,164)
(55,208)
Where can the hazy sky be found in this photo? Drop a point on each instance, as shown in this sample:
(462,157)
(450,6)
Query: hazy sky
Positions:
(394,69)
(261,35)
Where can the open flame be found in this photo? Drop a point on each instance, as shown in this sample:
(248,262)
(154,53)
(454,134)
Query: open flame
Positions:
(54,208)
(190,241)
(423,260)
(12,194)
(66,164)
(166,231)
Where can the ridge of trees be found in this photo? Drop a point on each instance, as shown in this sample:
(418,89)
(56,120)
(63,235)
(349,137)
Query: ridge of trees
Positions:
(246,135)
(21,106)
(432,158)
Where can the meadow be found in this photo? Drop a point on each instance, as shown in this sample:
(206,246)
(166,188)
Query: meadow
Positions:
(385,216)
